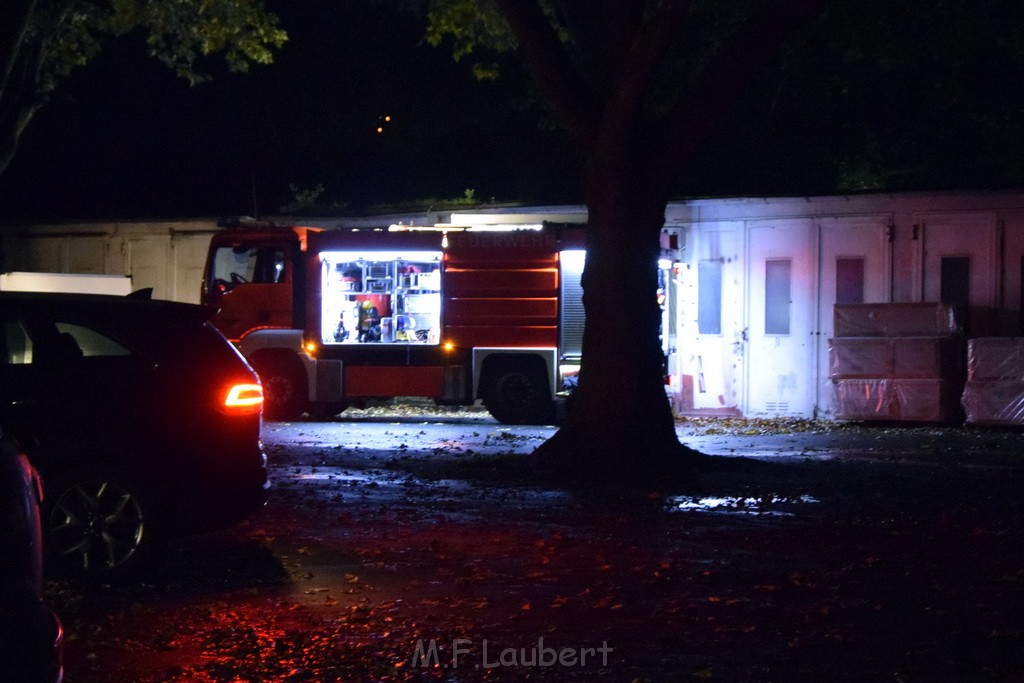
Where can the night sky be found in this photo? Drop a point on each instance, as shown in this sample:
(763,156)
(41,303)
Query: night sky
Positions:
(871,97)
(126,139)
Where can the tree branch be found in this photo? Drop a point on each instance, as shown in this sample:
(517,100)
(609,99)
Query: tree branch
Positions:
(602,32)
(621,23)
(20,77)
(551,67)
(15,16)
(736,62)
(647,50)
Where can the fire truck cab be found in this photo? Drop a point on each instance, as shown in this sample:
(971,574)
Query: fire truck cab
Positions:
(452,313)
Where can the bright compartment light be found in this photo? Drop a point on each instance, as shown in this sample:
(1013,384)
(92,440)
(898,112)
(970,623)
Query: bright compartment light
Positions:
(573,260)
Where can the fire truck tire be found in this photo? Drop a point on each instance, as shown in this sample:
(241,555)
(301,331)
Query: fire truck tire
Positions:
(516,392)
(284,386)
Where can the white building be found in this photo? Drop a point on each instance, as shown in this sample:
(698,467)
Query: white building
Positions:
(761,277)
(752,286)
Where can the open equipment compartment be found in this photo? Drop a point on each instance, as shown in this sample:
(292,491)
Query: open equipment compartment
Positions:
(380,297)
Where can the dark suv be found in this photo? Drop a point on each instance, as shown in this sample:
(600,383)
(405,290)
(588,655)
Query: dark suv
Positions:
(141,417)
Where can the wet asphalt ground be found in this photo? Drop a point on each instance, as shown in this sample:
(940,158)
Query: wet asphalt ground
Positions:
(405,545)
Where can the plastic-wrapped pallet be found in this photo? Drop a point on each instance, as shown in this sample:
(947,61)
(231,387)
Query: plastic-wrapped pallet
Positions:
(863,399)
(896,362)
(895,357)
(859,358)
(994,402)
(994,393)
(995,358)
(903,400)
(926,400)
(895,320)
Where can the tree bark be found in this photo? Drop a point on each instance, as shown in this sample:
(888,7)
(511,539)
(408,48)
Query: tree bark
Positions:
(620,426)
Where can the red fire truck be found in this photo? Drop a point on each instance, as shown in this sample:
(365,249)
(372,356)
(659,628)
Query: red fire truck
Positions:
(332,318)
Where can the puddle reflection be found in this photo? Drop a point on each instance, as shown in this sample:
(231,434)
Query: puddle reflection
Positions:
(771,506)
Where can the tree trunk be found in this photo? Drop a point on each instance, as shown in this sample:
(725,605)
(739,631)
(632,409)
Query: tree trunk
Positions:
(620,424)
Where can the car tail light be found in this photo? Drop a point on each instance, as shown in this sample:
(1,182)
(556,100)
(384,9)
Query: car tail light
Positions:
(243,399)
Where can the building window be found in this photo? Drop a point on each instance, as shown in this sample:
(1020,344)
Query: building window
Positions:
(1020,309)
(955,283)
(709,297)
(777,298)
(849,281)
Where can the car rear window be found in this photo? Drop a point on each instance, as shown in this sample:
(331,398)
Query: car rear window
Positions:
(91,342)
(119,328)
(164,333)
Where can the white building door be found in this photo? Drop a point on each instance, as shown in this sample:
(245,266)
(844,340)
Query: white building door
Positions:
(855,269)
(189,258)
(147,263)
(959,257)
(711,320)
(781,356)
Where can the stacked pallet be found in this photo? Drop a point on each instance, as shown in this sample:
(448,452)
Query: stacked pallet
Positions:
(896,363)
(994,393)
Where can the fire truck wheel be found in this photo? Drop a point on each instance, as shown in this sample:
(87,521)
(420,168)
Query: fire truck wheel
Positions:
(284,386)
(518,394)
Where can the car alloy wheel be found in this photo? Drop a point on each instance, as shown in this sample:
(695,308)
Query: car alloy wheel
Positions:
(96,526)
